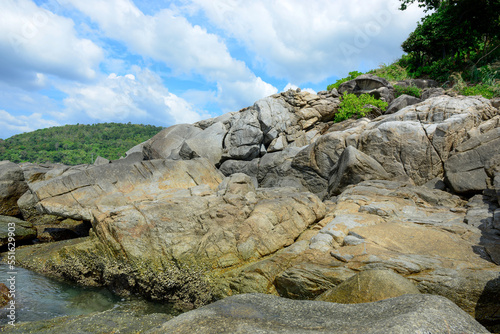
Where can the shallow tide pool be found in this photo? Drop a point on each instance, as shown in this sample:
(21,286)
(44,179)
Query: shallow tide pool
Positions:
(40,298)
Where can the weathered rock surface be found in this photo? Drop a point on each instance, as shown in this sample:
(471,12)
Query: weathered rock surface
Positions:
(354,167)
(129,321)
(369,286)
(369,84)
(171,217)
(412,144)
(419,233)
(4,295)
(22,231)
(174,228)
(292,118)
(258,313)
(467,167)
(12,187)
(401,102)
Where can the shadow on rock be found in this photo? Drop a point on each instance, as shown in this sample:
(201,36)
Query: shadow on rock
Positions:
(488,307)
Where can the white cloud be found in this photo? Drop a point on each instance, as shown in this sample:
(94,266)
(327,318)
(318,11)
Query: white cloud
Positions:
(294,87)
(185,48)
(35,42)
(309,41)
(138,98)
(14,124)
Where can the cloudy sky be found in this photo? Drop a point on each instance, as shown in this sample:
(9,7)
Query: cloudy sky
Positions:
(167,62)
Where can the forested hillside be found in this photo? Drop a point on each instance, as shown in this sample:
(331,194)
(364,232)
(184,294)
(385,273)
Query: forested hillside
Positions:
(75,144)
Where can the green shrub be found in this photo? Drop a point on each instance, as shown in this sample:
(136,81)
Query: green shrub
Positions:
(486,91)
(486,75)
(392,72)
(354,106)
(352,75)
(410,90)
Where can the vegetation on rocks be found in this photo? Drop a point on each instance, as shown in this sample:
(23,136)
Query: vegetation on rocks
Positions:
(352,75)
(75,144)
(410,90)
(457,44)
(456,36)
(354,106)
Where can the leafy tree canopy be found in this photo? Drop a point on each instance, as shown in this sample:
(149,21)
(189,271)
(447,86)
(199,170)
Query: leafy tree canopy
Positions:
(456,35)
(75,144)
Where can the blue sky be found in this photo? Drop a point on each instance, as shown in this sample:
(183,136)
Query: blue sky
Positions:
(168,62)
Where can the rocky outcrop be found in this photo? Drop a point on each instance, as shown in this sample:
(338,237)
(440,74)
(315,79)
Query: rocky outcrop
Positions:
(471,168)
(419,233)
(354,167)
(412,144)
(369,84)
(419,83)
(20,231)
(176,217)
(12,187)
(370,286)
(116,320)
(257,313)
(292,118)
(279,199)
(401,102)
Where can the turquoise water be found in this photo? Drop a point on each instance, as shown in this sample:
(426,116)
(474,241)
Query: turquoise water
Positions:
(42,298)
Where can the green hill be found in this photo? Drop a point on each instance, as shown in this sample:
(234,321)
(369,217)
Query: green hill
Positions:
(75,144)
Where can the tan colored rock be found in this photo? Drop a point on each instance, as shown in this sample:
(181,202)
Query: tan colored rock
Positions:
(171,217)
(417,232)
(4,295)
(12,187)
(370,286)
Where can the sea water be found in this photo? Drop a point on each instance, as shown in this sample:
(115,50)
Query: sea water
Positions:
(40,298)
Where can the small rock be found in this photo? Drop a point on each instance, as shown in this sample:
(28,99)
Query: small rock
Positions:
(370,286)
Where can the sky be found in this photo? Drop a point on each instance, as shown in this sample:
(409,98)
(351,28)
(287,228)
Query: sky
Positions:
(170,62)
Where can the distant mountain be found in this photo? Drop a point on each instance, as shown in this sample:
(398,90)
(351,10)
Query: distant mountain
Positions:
(75,144)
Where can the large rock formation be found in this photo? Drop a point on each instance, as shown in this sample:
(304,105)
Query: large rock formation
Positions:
(369,286)
(12,187)
(257,313)
(171,217)
(278,199)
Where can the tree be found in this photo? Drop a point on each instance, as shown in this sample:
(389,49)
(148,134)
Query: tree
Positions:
(429,4)
(459,32)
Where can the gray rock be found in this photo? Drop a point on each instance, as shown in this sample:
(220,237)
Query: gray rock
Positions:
(307,280)
(117,320)
(168,142)
(432,92)
(244,137)
(495,102)
(466,167)
(250,168)
(274,116)
(22,231)
(369,84)
(206,144)
(259,313)
(275,169)
(12,187)
(419,83)
(102,161)
(238,183)
(401,102)
(354,167)
(131,158)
